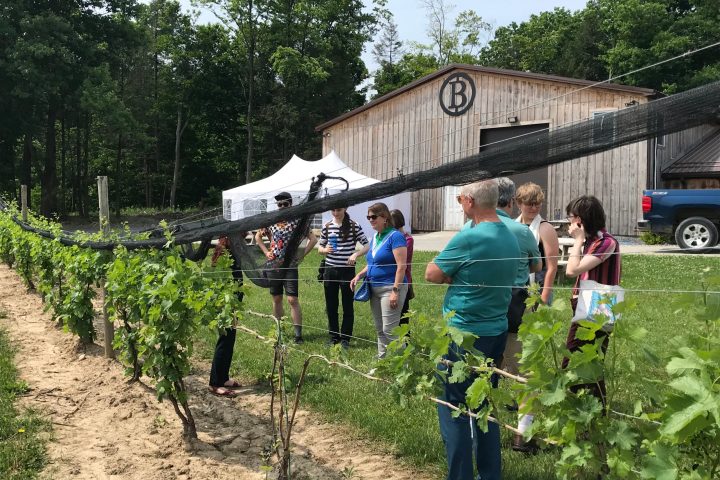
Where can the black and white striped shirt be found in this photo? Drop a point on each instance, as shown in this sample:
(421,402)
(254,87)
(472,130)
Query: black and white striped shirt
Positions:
(345,247)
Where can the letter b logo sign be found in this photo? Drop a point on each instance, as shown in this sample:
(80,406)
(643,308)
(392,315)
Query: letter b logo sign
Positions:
(457,94)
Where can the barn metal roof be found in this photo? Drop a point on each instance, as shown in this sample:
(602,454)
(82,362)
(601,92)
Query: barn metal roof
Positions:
(702,161)
(646,92)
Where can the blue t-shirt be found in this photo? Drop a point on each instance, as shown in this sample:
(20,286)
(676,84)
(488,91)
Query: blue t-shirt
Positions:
(529,251)
(483,254)
(380,260)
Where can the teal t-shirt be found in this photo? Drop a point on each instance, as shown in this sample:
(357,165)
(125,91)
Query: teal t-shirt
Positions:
(529,251)
(482,254)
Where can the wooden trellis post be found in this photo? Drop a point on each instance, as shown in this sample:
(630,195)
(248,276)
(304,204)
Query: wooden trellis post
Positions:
(104,207)
(24,201)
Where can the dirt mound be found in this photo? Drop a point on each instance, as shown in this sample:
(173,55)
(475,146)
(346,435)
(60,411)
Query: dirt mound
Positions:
(105,428)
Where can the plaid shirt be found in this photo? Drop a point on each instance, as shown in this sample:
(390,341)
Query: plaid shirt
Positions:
(607,249)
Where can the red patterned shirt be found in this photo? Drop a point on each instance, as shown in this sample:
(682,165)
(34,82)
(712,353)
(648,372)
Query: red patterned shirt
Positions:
(279,235)
(607,249)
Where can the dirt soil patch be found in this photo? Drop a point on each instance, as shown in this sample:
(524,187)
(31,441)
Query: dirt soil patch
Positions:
(105,428)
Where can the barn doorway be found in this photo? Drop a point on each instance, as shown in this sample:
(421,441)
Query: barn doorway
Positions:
(490,137)
(454,217)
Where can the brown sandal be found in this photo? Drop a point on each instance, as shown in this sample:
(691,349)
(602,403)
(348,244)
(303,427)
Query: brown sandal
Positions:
(222,392)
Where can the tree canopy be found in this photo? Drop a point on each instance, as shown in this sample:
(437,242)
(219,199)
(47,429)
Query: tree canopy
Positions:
(174,111)
(171,110)
(606,39)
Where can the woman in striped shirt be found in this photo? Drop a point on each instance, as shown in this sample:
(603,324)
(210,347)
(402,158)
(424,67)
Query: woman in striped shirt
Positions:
(594,256)
(338,241)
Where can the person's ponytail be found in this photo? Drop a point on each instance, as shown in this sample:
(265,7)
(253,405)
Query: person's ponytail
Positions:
(346,227)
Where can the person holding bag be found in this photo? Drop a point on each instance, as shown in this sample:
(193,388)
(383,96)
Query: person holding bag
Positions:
(594,256)
(385,270)
(338,242)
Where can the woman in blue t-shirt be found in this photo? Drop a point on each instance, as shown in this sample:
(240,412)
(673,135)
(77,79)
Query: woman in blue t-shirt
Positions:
(385,270)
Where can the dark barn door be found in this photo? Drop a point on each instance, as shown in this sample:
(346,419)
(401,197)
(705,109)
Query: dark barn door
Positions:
(489,137)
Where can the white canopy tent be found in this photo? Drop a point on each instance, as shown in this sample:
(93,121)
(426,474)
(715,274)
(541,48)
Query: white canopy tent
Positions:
(295,178)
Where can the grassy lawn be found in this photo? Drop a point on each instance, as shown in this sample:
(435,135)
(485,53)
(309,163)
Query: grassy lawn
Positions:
(22,448)
(343,397)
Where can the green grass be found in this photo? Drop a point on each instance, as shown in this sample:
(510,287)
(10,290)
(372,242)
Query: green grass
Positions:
(22,434)
(343,397)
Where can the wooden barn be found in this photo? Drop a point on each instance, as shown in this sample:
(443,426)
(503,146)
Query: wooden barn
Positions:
(461,109)
(689,159)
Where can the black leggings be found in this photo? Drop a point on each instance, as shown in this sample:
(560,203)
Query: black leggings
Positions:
(337,281)
(220,370)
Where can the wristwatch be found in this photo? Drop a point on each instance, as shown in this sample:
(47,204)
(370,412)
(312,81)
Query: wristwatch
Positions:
(395,289)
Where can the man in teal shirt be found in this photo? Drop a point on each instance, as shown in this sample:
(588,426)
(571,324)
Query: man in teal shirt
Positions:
(480,264)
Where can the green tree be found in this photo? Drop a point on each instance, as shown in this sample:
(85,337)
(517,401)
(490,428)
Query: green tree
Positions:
(613,37)
(535,45)
(388,48)
(410,67)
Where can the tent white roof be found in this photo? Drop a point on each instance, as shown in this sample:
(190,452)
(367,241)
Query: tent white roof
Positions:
(295,178)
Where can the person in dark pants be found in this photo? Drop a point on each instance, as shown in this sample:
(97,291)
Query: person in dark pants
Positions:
(398,220)
(338,243)
(484,252)
(595,255)
(220,382)
(456,433)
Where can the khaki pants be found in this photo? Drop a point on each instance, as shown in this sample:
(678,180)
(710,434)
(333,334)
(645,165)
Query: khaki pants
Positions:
(386,318)
(511,357)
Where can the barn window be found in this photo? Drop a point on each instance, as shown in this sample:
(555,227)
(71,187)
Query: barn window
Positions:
(603,127)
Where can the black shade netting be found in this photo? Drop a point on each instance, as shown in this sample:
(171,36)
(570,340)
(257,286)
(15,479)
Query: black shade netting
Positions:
(667,115)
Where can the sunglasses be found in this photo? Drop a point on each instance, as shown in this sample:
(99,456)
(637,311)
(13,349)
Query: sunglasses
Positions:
(372,217)
(283,204)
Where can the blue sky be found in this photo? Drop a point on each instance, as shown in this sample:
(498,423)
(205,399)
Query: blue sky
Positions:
(412,21)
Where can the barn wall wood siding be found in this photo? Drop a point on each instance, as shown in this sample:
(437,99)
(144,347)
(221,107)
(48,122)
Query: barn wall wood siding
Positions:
(410,132)
(679,143)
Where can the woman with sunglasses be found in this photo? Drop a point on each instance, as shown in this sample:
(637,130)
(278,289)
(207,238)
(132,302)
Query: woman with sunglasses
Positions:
(385,270)
(338,242)
(529,198)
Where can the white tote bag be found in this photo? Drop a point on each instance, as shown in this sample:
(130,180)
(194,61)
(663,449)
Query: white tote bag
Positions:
(595,302)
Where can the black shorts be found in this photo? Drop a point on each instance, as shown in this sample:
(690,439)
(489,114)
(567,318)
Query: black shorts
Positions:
(286,279)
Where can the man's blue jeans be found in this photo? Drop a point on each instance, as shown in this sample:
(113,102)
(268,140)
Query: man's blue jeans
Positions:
(456,433)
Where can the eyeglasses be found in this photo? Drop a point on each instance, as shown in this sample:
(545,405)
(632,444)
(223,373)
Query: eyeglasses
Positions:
(372,217)
(283,204)
(570,217)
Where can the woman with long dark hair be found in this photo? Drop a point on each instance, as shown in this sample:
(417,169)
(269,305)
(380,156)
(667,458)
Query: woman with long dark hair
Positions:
(338,242)
(595,255)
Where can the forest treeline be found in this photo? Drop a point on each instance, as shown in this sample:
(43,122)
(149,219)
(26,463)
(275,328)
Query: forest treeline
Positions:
(174,110)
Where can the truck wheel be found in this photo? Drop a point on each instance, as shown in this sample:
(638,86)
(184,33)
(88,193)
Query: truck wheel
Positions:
(696,233)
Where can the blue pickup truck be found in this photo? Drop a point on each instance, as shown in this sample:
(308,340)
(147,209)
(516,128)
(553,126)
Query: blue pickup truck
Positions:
(691,216)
